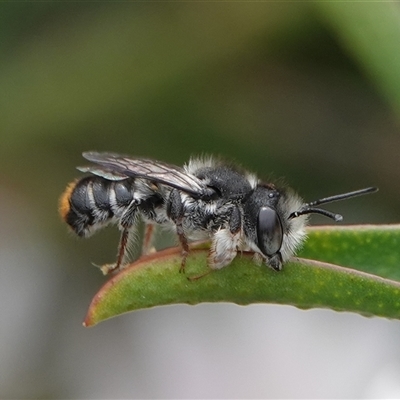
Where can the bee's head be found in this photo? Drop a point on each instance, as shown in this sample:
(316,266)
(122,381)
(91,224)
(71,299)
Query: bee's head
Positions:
(279,218)
(278,235)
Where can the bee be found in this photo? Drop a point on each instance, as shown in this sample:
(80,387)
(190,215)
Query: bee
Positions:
(205,199)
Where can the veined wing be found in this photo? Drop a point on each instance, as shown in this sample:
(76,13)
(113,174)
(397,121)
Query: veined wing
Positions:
(167,174)
(103,172)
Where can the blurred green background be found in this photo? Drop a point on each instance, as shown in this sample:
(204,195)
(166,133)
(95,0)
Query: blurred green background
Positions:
(301,90)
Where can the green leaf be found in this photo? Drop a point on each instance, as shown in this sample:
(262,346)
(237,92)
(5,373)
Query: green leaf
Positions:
(154,280)
(370,248)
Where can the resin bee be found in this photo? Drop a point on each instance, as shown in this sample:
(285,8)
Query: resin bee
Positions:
(206,199)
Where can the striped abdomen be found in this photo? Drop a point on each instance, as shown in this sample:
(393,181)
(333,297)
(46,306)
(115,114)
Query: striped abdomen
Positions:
(92,202)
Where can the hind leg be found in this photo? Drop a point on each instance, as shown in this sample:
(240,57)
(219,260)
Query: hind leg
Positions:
(127,224)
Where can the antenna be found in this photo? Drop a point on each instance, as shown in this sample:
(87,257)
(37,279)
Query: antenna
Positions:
(309,208)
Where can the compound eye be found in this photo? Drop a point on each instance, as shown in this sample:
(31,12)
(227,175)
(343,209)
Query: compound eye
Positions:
(269,231)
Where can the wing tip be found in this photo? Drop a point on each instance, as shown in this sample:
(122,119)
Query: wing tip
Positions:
(91,155)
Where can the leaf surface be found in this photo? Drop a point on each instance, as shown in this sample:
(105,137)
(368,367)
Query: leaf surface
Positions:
(354,268)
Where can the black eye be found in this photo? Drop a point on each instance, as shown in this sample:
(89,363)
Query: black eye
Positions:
(269,231)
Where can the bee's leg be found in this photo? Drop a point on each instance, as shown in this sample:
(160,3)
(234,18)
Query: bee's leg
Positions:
(147,246)
(223,250)
(176,213)
(123,242)
(127,222)
(226,241)
(184,243)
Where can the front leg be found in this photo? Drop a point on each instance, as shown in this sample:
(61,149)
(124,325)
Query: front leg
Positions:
(225,242)
(175,211)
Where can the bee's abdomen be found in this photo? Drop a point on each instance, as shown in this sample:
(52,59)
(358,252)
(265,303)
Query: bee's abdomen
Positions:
(92,202)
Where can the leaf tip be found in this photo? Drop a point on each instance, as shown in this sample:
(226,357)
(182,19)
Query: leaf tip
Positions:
(89,320)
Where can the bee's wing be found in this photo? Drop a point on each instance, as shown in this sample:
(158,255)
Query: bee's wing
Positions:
(117,166)
(103,172)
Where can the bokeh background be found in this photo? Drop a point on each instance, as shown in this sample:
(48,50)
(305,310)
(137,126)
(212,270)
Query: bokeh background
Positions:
(301,90)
